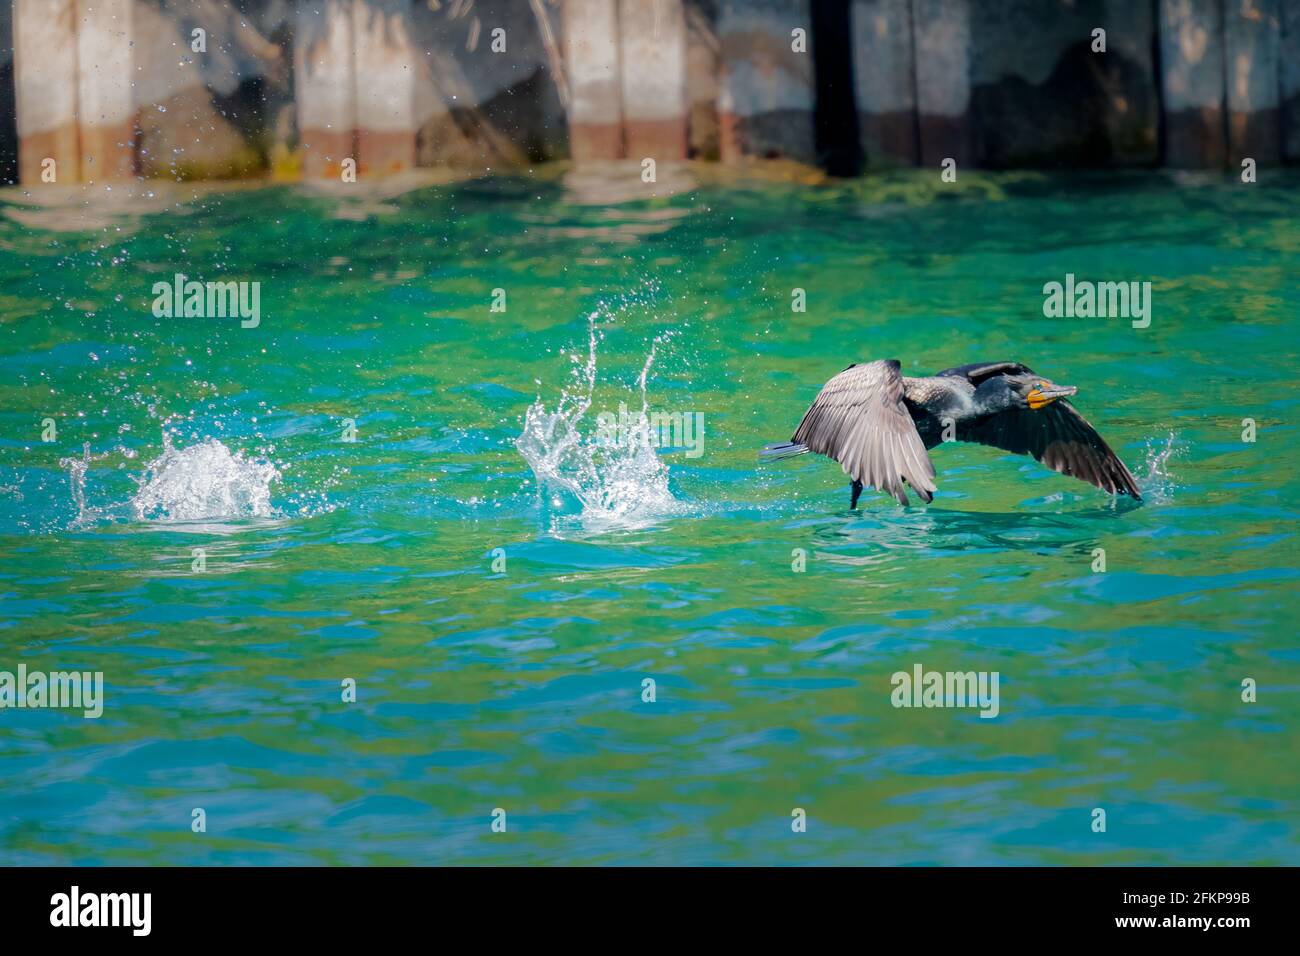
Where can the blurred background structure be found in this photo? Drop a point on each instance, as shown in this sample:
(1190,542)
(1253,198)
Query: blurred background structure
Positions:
(110,90)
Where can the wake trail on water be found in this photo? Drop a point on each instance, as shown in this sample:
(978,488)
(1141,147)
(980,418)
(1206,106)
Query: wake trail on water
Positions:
(583,473)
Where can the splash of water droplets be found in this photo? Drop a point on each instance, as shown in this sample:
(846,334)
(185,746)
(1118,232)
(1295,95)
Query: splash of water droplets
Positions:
(614,484)
(1158,484)
(77,468)
(205,481)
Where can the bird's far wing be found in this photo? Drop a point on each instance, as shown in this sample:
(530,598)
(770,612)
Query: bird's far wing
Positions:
(979,371)
(859,420)
(1060,438)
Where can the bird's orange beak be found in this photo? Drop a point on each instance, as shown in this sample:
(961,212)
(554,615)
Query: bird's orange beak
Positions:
(1043,394)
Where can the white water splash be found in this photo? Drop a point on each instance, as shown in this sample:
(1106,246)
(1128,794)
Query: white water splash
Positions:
(615,484)
(77,468)
(1158,484)
(204,482)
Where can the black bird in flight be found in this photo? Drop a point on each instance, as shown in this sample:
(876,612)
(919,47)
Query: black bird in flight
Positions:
(879,425)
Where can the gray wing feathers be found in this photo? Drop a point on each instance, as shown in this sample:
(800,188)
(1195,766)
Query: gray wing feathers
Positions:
(859,420)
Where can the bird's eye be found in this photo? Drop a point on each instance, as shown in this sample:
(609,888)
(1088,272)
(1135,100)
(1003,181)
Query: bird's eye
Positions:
(1038,385)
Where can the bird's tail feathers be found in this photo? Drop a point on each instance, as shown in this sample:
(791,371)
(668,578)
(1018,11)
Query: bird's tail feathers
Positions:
(782,449)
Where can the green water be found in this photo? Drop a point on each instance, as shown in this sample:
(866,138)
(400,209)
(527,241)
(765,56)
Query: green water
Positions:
(521,689)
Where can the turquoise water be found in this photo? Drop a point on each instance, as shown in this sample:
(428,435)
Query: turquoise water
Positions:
(519,685)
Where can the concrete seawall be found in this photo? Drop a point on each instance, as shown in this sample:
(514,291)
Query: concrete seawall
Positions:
(111,90)
(765,97)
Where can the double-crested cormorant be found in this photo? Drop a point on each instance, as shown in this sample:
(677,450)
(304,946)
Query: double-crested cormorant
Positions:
(879,424)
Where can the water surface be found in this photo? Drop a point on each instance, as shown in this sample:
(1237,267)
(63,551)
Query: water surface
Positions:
(521,688)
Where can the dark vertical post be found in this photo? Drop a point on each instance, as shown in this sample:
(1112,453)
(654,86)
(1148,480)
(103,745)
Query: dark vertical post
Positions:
(835,113)
(8,106)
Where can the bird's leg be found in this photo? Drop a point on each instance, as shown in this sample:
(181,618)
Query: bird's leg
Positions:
(857,492)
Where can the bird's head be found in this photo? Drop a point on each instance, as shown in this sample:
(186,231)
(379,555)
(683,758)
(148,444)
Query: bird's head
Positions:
(1035,392)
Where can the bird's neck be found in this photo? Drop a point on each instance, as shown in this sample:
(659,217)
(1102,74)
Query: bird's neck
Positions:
(939,396)
(993,396)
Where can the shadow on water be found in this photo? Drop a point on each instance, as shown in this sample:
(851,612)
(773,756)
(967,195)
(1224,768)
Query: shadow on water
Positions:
(944,530)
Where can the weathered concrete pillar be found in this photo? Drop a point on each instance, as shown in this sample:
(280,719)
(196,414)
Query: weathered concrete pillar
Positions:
(943,85)
(488,93)
(325,85)
(766,87)
(885,82)
(591,58)
(701,80)
(213,112)
(1289,85)
(45,71)
(386,71)
(1191,57)
(1130,83)
(105,90)
(652,53)
(1251,33)
(1046,92)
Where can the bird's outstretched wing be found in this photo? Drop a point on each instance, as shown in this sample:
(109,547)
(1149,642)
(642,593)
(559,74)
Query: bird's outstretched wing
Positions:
(859,420)
(1060,438)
